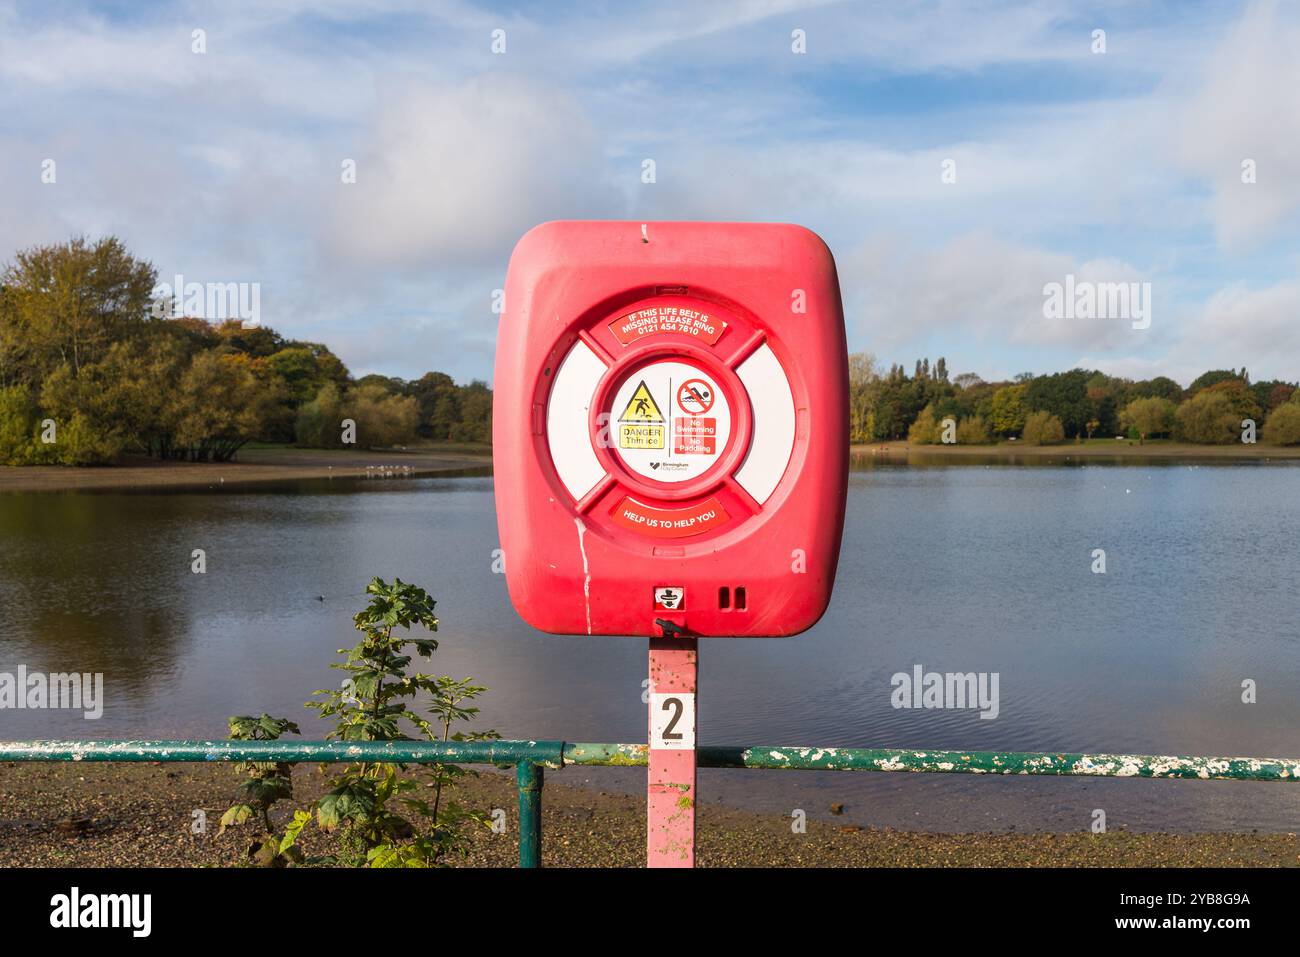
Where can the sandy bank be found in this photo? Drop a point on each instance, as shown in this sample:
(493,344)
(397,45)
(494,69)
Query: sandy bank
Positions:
(264,464)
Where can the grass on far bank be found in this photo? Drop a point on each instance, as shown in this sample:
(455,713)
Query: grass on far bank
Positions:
(1095,447)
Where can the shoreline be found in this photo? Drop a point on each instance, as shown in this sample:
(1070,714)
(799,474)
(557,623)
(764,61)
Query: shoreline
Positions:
(252,465)
(140,815)
(285,463)
(1011,452)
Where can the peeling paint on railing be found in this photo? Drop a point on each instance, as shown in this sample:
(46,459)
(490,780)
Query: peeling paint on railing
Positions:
(556,754)
(959,762)
(547,753)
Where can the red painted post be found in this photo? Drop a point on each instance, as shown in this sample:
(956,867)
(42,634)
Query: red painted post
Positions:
(670,785)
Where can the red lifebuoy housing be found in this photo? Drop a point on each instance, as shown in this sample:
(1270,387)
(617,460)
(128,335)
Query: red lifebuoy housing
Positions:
(670,428)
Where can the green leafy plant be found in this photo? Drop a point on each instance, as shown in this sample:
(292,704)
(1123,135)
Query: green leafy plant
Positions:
(266,784)
(387,817)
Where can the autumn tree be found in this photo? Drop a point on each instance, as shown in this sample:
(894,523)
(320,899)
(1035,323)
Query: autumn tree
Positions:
(1153,416)
(1007,412)
(863,374)
(973,430)
(66,304)
(1065,396)
(126,399)
(1241,398)
(221,405)
(1042,428)
(1208,418)
(925,430)
(382,419)
(475,423)
(320,422)
(1282,427)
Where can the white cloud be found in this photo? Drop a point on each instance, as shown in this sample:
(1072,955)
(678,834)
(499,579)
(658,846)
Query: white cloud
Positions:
(1256,326)
(1240,325)
(454,175)
(1248,108)
(975,285)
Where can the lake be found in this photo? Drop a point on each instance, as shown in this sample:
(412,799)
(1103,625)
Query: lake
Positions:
(953,567)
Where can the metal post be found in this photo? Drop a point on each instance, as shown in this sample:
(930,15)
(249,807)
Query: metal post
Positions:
(670,784)
(530,778)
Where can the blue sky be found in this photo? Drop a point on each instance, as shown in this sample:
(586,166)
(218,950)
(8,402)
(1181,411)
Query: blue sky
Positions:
(1115,166)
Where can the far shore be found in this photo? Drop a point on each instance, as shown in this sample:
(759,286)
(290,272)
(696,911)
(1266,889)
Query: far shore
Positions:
(268,463)
(272,463)
(1011,452)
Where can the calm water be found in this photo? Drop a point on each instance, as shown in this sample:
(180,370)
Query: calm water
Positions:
(956,568)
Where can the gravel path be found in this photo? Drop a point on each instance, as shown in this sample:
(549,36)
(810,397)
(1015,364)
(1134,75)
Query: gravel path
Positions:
(96,815)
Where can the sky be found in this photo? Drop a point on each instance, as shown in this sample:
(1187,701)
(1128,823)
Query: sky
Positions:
(957,158)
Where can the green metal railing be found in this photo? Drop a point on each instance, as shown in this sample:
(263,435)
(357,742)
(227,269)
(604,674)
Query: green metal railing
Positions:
(531,758)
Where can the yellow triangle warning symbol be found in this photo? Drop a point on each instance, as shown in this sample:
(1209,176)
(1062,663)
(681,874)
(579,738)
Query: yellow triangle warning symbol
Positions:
(641,407)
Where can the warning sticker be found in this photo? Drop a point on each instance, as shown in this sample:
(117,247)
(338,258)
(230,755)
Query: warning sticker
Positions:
(675,447)
(695,519)
(641,426)
(695,436)
(661,320)
(695,397)
(640,436)
(670,598)
(641,407)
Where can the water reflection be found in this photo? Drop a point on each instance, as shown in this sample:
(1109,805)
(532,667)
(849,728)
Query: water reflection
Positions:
(955,569)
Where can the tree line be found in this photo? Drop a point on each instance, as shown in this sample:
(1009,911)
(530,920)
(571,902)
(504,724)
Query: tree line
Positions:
(88,372)
(1219,407)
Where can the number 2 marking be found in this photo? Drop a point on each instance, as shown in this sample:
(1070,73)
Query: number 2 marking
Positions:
(672,721)
(673,704)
